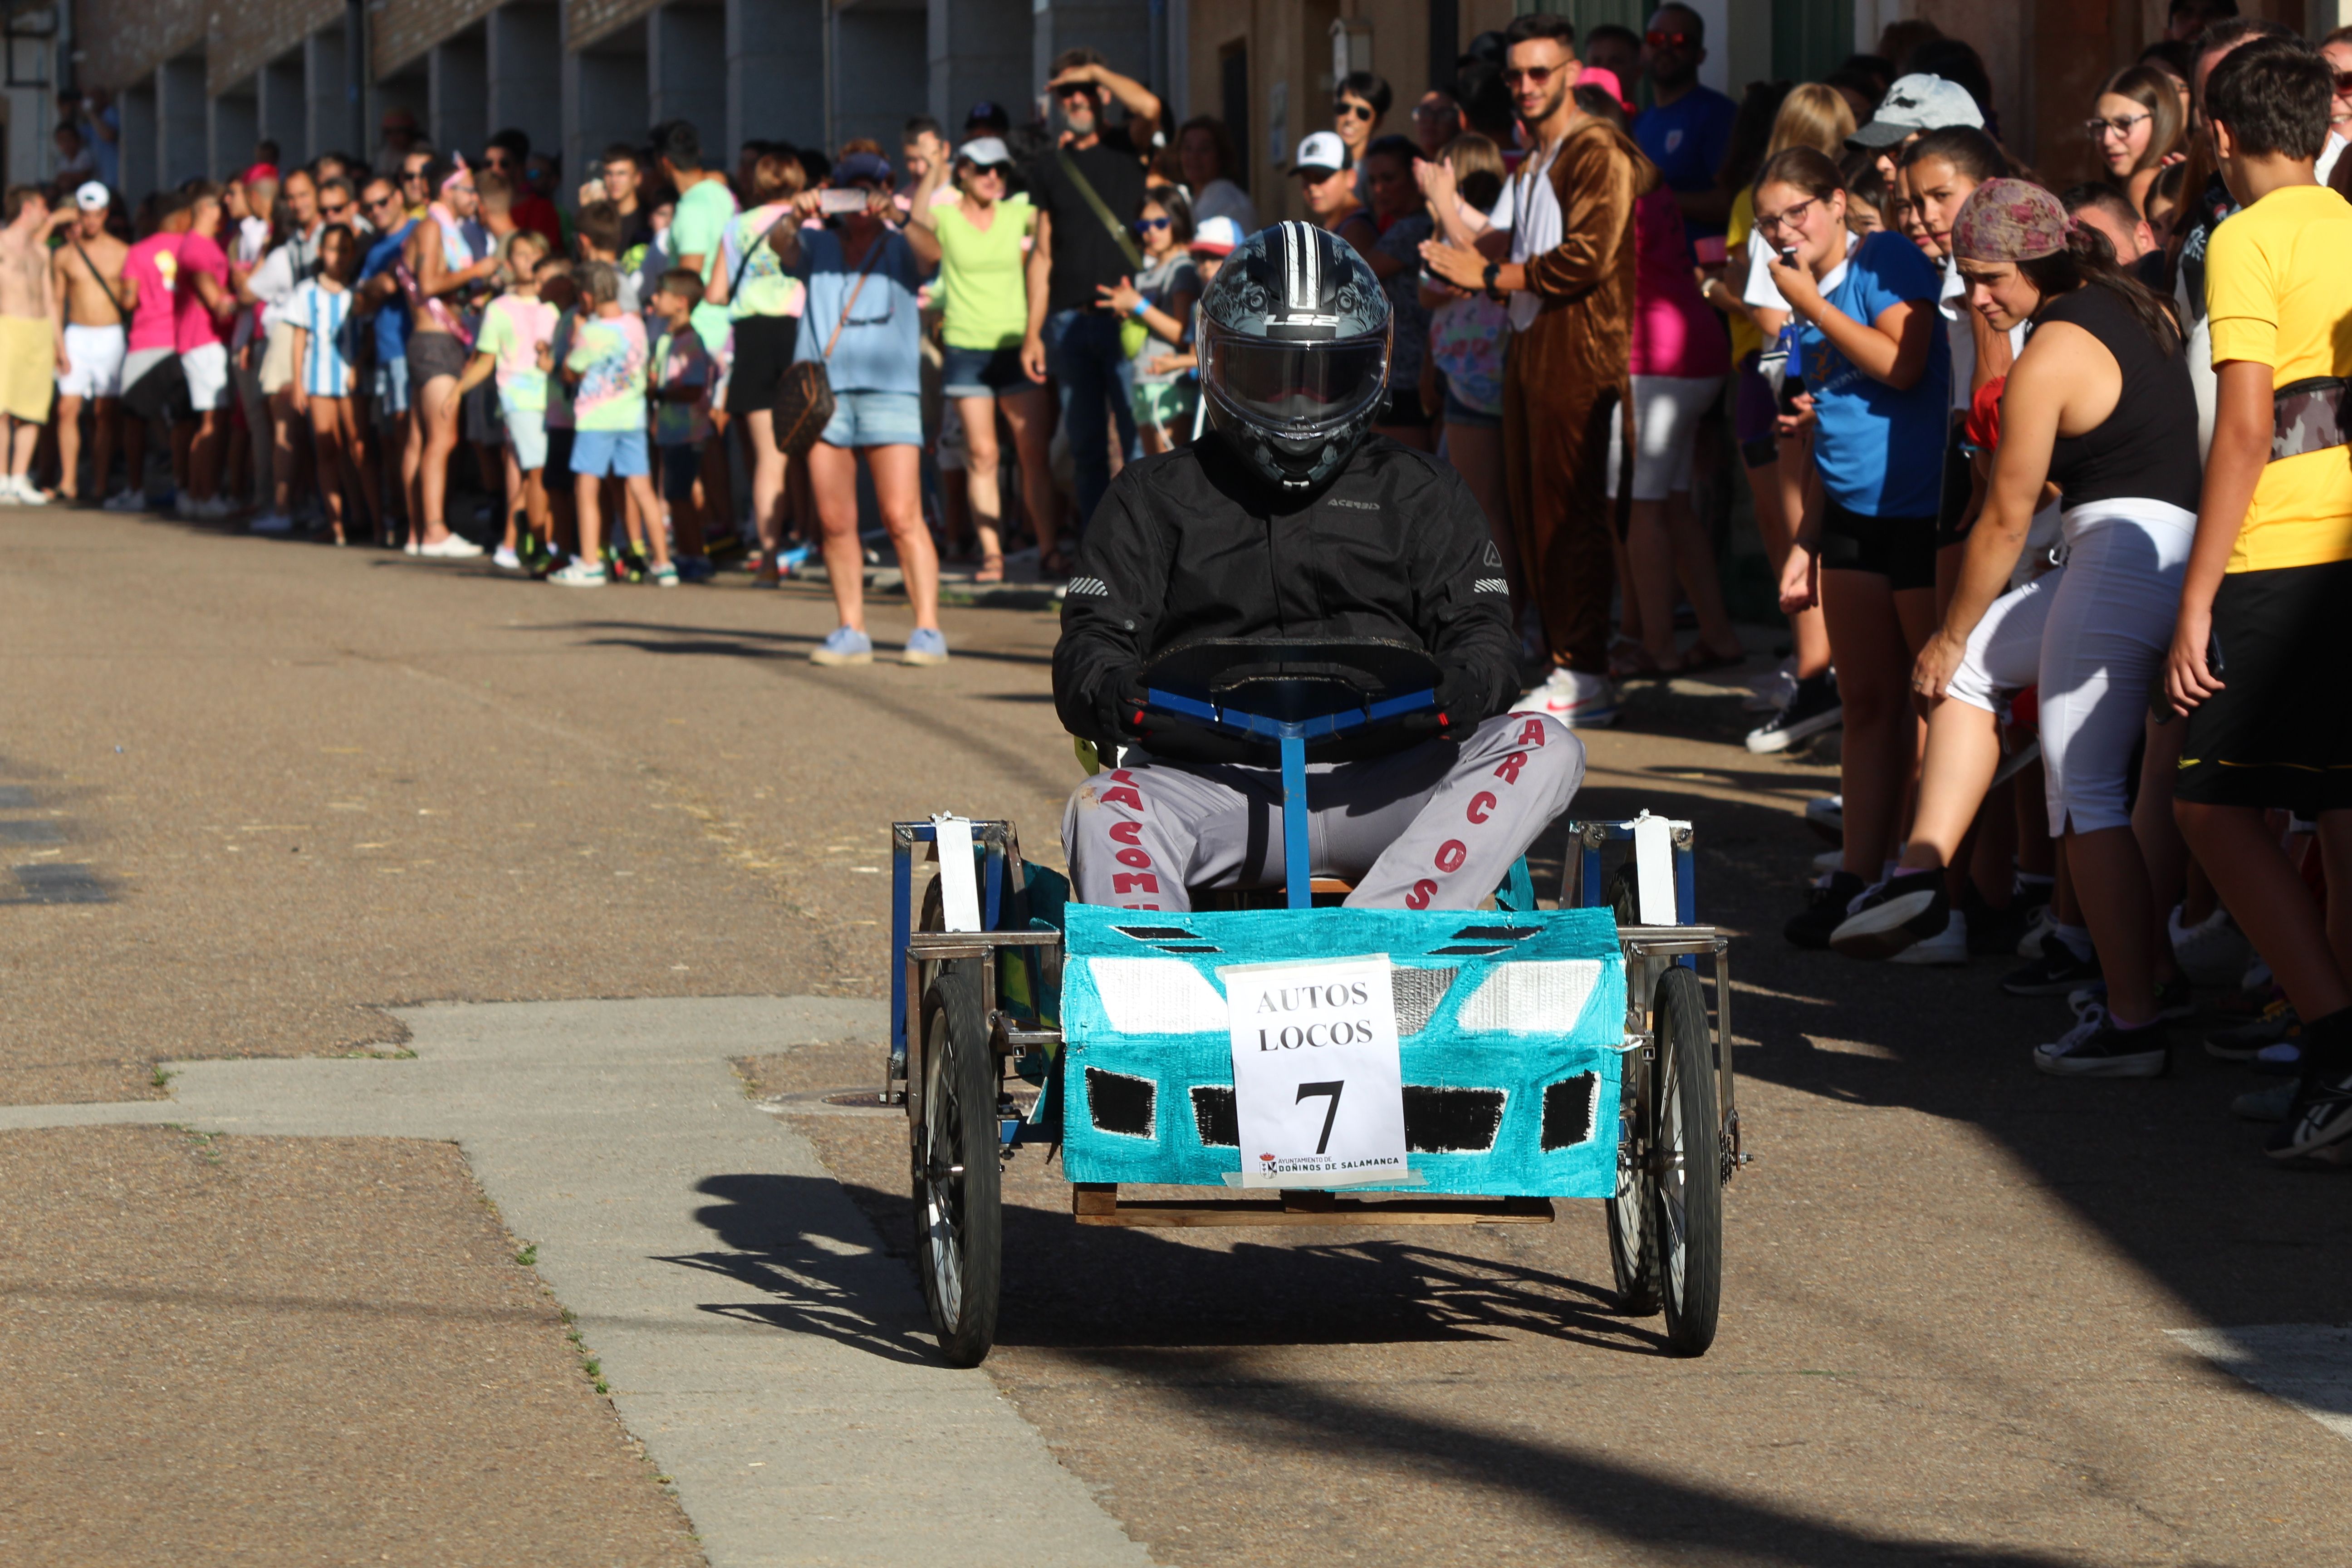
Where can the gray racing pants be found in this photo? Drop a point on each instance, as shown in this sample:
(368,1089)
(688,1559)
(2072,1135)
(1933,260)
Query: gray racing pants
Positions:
(1435,826)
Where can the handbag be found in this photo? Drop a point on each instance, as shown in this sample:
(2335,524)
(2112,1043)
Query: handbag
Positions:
(805,403)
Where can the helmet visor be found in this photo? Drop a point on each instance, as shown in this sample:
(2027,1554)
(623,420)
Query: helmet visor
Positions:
(1299,386)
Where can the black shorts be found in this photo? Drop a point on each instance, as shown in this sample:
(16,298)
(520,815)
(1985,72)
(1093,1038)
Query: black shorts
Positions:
(1900,549)
(1952,506)
(559,454)
(2279,732)
(432,355)
(478,417)
(764,347)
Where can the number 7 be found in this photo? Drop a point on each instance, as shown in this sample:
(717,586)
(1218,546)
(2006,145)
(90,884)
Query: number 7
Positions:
(1309,1091)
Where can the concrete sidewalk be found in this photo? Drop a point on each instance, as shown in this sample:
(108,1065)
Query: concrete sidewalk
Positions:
(773,1357)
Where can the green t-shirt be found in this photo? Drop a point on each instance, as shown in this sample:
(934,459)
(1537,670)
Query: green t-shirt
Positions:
(982,289)
(609,354)
(702,216)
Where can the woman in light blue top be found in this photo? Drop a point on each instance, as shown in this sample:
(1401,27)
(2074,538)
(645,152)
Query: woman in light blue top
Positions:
(326,343)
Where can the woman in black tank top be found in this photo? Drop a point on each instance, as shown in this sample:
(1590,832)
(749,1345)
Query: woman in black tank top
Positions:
(2099,406)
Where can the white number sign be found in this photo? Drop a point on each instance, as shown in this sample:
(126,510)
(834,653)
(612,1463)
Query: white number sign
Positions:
(1317,1091)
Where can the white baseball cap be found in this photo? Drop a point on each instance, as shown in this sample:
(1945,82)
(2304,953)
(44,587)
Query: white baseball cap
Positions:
(1914,103)
(1321,151)
(92,197)
(986,152)
(1217,236)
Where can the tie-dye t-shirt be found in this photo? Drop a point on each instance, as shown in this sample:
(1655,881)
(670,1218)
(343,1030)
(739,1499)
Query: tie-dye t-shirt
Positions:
(609,353)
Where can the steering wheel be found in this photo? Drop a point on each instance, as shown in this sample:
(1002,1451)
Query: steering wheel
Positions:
(1291,688)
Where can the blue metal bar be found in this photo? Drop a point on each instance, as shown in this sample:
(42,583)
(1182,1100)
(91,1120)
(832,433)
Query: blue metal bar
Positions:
(901,879)
(1294,871)
(1589,887)
(1273,729)
(993,896)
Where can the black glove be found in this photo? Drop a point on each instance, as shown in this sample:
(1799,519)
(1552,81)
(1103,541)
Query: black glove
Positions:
(1450,718)
(1121,705)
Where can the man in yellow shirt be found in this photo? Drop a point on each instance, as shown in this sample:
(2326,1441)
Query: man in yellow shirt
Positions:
(2260,654)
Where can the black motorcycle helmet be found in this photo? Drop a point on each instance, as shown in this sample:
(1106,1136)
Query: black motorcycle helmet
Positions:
(1295,352)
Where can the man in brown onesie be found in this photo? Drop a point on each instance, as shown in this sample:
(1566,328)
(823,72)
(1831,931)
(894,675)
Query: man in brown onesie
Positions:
(1560,248)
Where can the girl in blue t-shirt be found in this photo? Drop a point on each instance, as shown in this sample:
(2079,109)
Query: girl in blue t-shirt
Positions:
(1875,371)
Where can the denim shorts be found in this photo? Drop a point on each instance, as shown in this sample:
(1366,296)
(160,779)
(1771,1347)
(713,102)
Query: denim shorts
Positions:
(1459,413)
(981,373)
(681,465)
(620,453)
(527,433)
(392,388)
(874,419)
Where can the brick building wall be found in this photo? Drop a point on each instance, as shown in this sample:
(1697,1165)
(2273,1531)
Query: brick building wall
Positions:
(122,40)
(586,21)
(248,36)
(405,29)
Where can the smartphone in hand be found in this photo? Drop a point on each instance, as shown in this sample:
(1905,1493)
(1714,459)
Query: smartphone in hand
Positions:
(836,202)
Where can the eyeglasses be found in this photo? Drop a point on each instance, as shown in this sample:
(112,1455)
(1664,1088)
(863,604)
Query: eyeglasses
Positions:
(1347,111)
(413,176)
(1534,76)
(2099,128)
(1146,224)
(1668,40)
(1788,220)
(388,199)
(334,211)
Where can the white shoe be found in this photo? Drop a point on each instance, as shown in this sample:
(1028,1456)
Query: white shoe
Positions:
(27,491)
(272,522)
(581,574)
(2041,925)
(126,500)
(1949,945)
(457,547)
(1580,700)
(412,547)
(2213,951)
(507,560)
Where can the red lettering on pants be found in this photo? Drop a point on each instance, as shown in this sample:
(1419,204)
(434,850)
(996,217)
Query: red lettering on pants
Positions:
(1482,805)
(1135,857)
(1450,855)
(1126,832)
(1134,882)
(1531,733)
(1122,795)
(1509,770)
(1423,891)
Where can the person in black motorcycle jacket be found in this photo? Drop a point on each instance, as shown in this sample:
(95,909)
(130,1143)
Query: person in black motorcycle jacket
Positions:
(1288,519)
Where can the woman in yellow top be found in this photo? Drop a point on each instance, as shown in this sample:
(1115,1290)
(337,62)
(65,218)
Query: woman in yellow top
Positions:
(984,237)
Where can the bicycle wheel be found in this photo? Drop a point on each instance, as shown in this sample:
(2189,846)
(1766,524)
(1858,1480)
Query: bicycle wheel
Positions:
(1688,1186)
(958,1214)
(1632,1238)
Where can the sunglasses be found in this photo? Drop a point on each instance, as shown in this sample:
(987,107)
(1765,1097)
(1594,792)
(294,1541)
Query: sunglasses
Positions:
(1354,111)
(1534,76)
(414,176)
(1668,40)
(2344,82)
(337,211)
(1146,224)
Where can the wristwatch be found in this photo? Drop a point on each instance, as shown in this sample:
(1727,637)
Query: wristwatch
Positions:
(1493,270)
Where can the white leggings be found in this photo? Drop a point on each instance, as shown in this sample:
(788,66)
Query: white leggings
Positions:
(1666,412)
(2094,635)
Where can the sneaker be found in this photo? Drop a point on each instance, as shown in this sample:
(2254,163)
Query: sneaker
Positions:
(1578,700)
(843,647)
(2321,1114)
(581,574)
(2213,951)
(2283,1059)
(2270,1104)
(125,501)
(506,560)
(1907,908)
(1825,910)
(25,491)
(2244,1042)
(663,576)
(2176,999)
(2055,973)
(412,547)
(1815,708)
(271,522)
(1772,693)
(457,547)
(1825,815)
(1948,946)
(2038,926)
(2095,1048)
(695,568)
(924,645)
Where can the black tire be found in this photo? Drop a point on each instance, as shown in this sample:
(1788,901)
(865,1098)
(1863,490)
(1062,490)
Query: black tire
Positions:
(1632,1233)
(1686,1163)
(958,1178)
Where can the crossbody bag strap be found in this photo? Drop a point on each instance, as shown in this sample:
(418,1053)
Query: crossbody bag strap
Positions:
(1118,234)
(120,315)
(744,264)
(873,255)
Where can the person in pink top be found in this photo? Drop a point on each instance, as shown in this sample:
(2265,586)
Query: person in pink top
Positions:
(151,270)
(201,307)
(1679,359)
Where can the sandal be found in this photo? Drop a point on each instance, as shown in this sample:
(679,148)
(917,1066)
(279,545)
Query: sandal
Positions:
(991,570)
(1699,660)
(1632,661)
(1054,563)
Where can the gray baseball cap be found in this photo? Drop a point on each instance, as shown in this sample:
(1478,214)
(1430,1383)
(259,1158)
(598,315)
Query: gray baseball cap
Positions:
(1916,103)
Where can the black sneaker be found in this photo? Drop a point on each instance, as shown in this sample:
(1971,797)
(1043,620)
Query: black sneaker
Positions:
(2095,1047)
(1994,931)
(2176,999)
(2244,1042)
(1825,909)
(2054,973)
(1815,708)
(1907,908)
(2321,1115)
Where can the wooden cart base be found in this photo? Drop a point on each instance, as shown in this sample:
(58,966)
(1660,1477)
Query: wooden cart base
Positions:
(1097,1203)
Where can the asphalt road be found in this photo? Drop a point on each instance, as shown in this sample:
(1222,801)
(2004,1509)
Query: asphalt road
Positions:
(288,787)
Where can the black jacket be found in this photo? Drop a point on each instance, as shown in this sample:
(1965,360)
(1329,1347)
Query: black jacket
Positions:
(1192,544)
